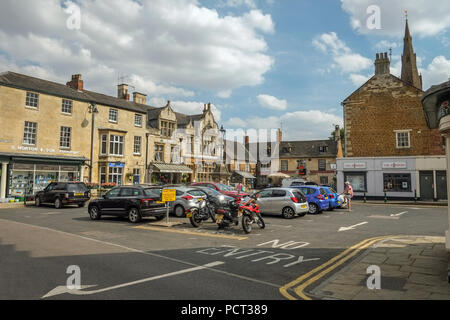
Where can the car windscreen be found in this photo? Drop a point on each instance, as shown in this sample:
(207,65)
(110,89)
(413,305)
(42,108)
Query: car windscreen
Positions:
(75,187)
(224,187)
(152,192)
(211,192)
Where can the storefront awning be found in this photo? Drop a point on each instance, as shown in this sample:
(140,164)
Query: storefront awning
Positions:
(34,158)
(170,168)
(246,175)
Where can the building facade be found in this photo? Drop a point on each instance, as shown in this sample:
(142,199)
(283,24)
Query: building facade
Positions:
(51,131)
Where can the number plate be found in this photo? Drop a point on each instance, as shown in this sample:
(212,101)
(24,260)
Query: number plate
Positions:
(79,194)
(200,199)
(304,206)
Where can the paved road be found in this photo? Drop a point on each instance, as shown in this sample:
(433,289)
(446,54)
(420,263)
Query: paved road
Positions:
(119,260)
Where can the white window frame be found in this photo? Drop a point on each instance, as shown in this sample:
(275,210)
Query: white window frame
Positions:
(67,104)
(30,133)
(115,175)
(137,147)
(116,142)
(397,132)
(113,115)
(104,140)
(138,123)
(32,100)
(65,137)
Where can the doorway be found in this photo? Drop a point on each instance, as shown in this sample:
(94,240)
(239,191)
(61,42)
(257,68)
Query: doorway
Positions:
(426,185)
(441,185)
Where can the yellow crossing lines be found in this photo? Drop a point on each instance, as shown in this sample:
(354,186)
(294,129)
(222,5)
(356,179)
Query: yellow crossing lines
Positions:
(301,283)
(200,234)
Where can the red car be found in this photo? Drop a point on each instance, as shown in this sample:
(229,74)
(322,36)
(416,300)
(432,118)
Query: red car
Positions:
(222,188)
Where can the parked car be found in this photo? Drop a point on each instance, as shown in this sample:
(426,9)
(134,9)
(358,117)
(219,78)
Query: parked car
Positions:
(222,188)
(316,196)
(186,198)
(289,182)
(333,198)
(217,198)
(285,201)
(60,194)
(134,202)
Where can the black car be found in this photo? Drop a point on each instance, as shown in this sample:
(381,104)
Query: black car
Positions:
(134,202)
(63,193)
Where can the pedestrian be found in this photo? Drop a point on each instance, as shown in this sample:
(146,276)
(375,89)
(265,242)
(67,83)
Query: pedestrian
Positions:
(348,193)
(239,188)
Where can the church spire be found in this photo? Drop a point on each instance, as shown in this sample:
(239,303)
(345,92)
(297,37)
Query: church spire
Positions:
(410,73)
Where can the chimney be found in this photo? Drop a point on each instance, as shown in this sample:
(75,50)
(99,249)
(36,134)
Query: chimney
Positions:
(122,92)
(247,140)
(337,138)
(382,64)
(280,136)
(139,98)
(76,82)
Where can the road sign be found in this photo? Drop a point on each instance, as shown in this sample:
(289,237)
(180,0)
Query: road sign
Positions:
(169,195)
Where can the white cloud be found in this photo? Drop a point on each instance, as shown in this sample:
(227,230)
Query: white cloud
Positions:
(385,45)
(437,71)
(359,79)
(427,18)
(173,46)
(298,125)
(270,102)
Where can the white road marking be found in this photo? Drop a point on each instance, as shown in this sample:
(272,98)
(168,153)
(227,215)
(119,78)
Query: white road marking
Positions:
(399,214)
(60,289)
(352,227)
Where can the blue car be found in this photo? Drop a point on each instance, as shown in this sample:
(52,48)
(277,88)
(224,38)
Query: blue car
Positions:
(333,198)
(316,196)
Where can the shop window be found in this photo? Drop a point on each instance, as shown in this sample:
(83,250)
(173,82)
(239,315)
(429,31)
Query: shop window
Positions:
(115,175)
(113,115)
(137,145)
(30,133)
(394,182)
(66,106)
(65,137)
(116,145)
(32,100)
(357,180)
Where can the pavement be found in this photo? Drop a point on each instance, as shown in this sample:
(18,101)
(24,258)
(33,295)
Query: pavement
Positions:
(411,268)
(439,203)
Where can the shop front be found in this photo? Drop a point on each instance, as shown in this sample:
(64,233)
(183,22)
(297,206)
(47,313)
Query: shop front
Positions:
(24,175)
(165,173)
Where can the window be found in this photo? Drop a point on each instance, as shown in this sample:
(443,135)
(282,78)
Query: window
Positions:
(130,192)
(30,133)
(67,106)
(113,193)
(113,115)
(115,175)
(264,194)
(102,175)
(167,128)
(65,137)
(323,149)
(322,165)
(403,139)
(323,180)
(32,100)
(137,145)
(357,180)
(394,182)
(278,193)
(159,152)
(138,120)
(104,144)
(284,165)
(116,145)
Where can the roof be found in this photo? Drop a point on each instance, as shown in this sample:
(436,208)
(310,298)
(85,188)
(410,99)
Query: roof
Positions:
(20,81)
(245,174)
(168,168)
(308,148)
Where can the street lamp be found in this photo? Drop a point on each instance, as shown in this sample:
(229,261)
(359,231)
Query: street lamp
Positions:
(93,110)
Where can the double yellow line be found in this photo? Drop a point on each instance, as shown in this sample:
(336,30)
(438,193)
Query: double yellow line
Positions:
(301,283)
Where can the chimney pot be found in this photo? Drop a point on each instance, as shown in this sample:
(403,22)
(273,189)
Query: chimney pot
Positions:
(76,82)
(122,92)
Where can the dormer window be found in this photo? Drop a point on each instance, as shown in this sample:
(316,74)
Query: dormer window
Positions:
(323,149)
(167,128)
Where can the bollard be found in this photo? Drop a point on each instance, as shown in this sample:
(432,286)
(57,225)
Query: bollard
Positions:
(415,196)
(385,197)
(365,200)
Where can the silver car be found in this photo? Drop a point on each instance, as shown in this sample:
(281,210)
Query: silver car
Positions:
(186,198)
(285,201)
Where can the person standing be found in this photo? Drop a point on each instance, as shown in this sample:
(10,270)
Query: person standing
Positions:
(239,188)
(348,193)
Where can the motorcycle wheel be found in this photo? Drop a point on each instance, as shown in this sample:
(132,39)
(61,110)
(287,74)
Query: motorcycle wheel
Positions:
(212,213)
(195,220)
(261,222)
(246,224)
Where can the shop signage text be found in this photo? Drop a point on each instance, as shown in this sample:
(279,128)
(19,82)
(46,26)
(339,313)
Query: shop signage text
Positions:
(354,165)
(116,165)
(394,165)
(43,150)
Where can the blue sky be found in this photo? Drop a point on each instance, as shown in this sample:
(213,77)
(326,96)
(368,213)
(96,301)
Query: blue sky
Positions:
(261,63)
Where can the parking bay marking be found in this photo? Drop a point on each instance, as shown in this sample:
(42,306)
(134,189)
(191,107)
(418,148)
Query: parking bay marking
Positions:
(201,234)
(63,289)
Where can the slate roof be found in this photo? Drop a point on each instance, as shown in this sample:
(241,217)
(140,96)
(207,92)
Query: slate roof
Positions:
(308,148)
(20,81)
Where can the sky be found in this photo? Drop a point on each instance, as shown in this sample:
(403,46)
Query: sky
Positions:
(262,64)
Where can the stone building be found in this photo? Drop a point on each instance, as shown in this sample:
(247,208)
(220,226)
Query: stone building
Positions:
(384,118)
(51,131)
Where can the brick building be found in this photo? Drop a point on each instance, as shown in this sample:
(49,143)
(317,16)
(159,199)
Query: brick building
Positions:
(387,137)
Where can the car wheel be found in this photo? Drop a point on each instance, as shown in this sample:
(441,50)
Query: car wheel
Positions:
(159,218)
(134,216)
(179,211)
(313,208)
(38,202)
(58,203)
(94,213)
(288,213)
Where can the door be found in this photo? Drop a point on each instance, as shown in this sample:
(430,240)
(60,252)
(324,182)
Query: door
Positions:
(127,197)
(49,193)
(263,200)
(426,185)
(278,201)
(441,185)
(109,203)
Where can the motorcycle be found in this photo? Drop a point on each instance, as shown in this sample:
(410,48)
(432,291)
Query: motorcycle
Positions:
(203,212)
(250,215)
(228,214)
